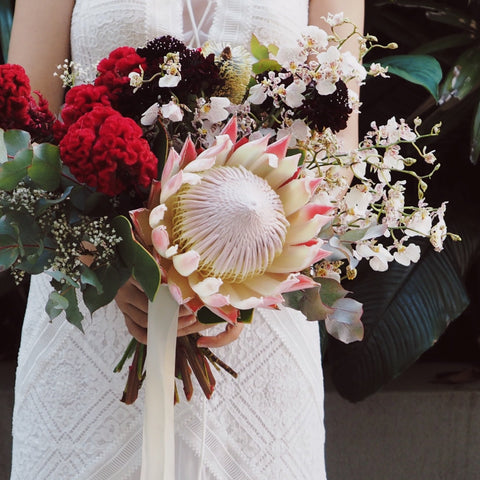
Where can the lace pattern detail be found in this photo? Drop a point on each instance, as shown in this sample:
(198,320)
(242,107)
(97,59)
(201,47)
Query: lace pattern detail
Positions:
(68,421)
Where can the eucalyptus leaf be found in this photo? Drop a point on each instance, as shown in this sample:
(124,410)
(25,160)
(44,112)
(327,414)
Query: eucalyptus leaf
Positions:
(72,312)
(14,171)
(3,148)
(16,140)
(8,253)
(89,277)
(44,203)
(46,168)
(56,304)
(422,70)
(111,277)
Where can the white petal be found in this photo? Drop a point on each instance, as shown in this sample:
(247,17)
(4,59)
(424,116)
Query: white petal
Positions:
(186,263)
(157,215)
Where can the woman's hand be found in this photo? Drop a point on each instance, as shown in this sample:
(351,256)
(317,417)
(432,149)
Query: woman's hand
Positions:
(133,303)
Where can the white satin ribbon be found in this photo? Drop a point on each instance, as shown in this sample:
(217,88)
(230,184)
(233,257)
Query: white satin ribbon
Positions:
(158,451)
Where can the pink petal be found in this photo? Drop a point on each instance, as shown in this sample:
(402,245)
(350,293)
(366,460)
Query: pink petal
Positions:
(216,300)
(186,263)
(248,153)
(160,240)
(201,163)
(287,167)
(154,194)
(140,220)
(296,194)
(230,129)
(272,283)
(303,232)
(171,186)
(188,153)
(279,148)
(204,287)
(295,258)
(157,215)
(172,166)
(303,283)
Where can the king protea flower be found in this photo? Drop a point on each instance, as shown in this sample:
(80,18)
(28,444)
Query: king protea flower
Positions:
(233,226)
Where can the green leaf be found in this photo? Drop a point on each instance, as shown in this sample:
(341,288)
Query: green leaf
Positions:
(111,278)
(206,316)
(16,140)
(8,253)
(266,65)
(259,51)
(406,309)
(56,304)
(13,171)
(419,69)
(463,78)
(3,148)
(72,312)
(160,147)
(6,18)
(475,142)
(46,167)
(89,277)
(61,277)
(144,267)
(443,43)
(44,203)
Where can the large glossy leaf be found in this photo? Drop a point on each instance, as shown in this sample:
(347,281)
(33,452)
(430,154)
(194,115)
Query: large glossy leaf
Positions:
(475,143)
(406,309)
(6,16)
(463,78)
(422,70)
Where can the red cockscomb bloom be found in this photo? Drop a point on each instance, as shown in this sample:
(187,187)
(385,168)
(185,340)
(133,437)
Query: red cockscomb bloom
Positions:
(18,109)
(113,71)
(78,101)
(106,151)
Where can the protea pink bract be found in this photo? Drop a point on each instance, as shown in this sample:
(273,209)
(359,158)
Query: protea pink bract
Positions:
(233,226)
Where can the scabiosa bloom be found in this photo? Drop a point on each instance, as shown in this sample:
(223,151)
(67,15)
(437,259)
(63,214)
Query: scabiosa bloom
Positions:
(106,151)
(199,74)
(233,226)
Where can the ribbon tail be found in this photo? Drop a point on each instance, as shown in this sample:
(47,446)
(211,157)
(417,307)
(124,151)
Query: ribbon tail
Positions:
(158,451)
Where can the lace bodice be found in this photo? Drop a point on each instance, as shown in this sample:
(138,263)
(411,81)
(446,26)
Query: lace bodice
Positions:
(68,421)
(100,26)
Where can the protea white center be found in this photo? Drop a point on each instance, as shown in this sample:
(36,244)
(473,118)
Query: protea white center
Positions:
(233,219)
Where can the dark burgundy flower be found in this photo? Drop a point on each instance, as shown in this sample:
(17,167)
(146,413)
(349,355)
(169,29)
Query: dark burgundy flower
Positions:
(326,111)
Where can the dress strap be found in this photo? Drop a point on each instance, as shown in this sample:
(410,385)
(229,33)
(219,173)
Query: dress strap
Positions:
(197,17)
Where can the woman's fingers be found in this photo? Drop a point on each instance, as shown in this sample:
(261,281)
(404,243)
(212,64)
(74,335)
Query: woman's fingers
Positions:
(133,303)
(229,335)
(135,330)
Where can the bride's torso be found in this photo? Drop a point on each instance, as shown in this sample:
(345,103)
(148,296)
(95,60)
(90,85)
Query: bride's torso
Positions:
(100,26)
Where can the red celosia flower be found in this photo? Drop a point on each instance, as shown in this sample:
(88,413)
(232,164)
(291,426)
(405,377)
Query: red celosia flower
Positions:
(113,71)
(106,151)
(18,109)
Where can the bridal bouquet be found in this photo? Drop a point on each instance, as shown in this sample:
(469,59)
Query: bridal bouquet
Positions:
(217,172)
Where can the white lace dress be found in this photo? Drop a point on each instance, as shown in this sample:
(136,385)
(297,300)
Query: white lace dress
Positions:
(68,421)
